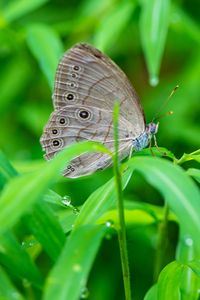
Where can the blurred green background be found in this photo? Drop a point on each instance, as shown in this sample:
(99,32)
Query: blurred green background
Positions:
(33,36)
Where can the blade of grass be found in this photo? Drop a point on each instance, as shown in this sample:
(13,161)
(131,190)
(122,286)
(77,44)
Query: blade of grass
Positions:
(21,192)
(169,281)
(47,48)
(154,22)
(69,276)
(122,226)
(17,260)
(7,289)
(177,188)
(17,8)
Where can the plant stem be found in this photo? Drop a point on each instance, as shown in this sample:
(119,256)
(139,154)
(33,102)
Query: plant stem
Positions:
(162,243)
(122,227)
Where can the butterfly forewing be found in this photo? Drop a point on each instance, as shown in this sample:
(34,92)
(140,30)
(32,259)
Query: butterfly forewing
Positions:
(87,84)
(86,76)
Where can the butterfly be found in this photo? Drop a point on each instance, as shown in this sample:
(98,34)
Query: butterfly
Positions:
(87,83)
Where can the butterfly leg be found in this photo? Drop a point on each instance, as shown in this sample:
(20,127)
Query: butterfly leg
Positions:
(150,144)
(156,145)
(131,152)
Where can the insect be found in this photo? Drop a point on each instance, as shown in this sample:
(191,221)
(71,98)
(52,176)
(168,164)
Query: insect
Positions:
(87,83)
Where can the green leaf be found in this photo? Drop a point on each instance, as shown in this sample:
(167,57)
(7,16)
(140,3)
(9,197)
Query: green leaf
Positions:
(7,289)
(152,293)
(191,156)
(21,192)
(14,258)
(46,229)
(47,48)
(195,266)
(113,24)
(6,170)
(195,173)
(177,188)
(21,76)
(100,201)
(154,22)
(84,240)
(18,8)
(69,276)
(169,281)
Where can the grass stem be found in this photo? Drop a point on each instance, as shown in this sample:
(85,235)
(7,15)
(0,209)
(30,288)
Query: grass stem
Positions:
(122,227)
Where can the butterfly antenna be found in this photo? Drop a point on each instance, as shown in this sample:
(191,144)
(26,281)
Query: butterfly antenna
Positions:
(164,104)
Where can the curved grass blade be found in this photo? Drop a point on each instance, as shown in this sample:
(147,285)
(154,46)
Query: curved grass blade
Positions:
(7,289)
(21,192)
(98,203)
(178,189)
(18,8)
(69,276)
(47,48)
(169,281)
(154,22)
(17,260)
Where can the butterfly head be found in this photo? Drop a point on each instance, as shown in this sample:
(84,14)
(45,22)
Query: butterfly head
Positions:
(144,139)
(152,128)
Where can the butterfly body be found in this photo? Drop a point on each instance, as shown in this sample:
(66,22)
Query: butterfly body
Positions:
(87,84)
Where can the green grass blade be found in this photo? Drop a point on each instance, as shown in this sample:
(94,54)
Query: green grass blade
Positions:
(47,48)
(113,24)
(152,293)
(177,188)
(120,207)
(7,290)
(169,281)
(195,266)
(21,75)
(154,22)
(14,258)
(69,276)
(21,192)
(100,201)
(46,229)
(6,170)
(195,173)
(18,8)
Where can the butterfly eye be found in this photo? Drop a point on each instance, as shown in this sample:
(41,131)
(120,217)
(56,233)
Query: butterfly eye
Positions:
(84,114)
(70,168)
(56,143)
(72,85)
(76,68)
(74,75)
(69,97)
(54,131)
(62,121)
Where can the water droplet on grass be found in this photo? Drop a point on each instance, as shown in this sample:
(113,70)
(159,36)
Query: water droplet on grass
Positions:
(153,80)
(85,293)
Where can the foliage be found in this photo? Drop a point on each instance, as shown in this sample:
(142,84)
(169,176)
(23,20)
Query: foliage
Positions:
(58,236)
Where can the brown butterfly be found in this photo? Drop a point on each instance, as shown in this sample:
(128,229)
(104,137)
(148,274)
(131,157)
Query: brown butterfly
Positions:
(86,85)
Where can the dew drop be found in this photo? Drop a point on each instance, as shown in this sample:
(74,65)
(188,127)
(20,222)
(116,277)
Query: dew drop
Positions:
(66,201)
(109,223)
(76,268)
(84,293)
(76,210)
(153,80)
(189,242)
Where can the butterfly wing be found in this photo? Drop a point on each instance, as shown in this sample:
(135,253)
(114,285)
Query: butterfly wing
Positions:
(75,123)
(85,76)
